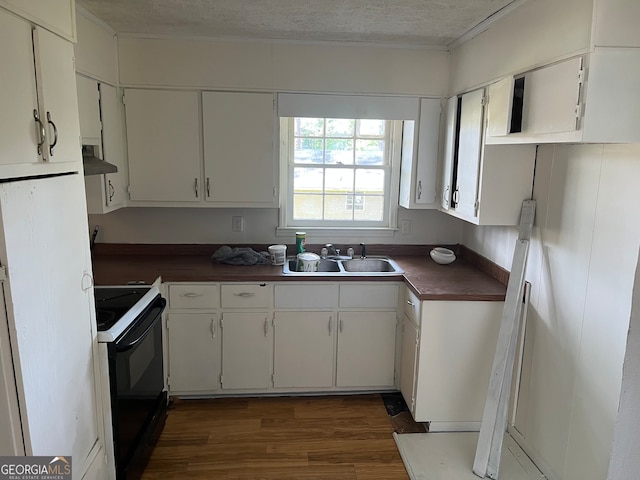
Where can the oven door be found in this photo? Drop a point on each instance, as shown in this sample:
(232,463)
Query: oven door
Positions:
(138,398)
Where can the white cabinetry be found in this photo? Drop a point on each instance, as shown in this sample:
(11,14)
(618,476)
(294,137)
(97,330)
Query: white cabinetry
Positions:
(194,354)
(240,165)
(247,336)
(303,349)
(482,184)
(370,362)
(193,338)
(418,170)
(58,16)
(362,315)
(38,80)
(591,98)
(246,350)
(101,124)
(446,361)
(163,138)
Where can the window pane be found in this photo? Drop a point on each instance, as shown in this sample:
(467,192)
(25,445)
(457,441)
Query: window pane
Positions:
(339,151)
(369,181)
(340,127)
(308,127)
(307,180)
(370,152)
(338,180)
(307,206)
(373,209)
(307,150)
(336,207)
(371,127)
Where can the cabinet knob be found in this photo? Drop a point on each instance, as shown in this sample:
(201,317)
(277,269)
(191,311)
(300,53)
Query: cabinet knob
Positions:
(41,131)
(55,134)
(419,189)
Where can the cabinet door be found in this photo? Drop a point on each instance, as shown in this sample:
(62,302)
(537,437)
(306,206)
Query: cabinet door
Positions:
(18,129)
(239,157)
(303,349)
(163,137)
(113,143)
(408,362)
(89,110)
(551,98)
(446,190)
(418,171)
(366,349)
(55,15)
(194,357)
(469,148)
(56,79)
(246,350)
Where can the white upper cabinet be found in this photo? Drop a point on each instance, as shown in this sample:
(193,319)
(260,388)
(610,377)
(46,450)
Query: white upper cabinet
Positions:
(482,184)
(39,129)
(240,165)
(58,16)
(102,125)
(591,98)
(418,170)
(163,134)
(89,110)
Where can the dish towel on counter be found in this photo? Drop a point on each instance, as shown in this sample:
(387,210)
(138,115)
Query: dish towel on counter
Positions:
(240,256)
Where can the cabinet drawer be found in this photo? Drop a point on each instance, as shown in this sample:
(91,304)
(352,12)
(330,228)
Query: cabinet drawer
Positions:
(306,296)
(374,295)
(412,306)
(193,296)
(246,296)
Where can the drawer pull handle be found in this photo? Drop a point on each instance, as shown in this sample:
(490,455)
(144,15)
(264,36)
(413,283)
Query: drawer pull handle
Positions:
(330,318)
(341,325)
(244,294)
(409,302)
(213,328)
(191,295)
(266,327)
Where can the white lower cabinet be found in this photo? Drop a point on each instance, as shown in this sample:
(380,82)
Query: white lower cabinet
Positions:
(409,361)
(247,346)
(298,337)
(194,352)
(303,349)
(447,384)
(366,349)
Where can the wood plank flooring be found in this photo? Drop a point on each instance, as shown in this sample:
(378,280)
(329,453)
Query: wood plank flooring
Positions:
(302,438)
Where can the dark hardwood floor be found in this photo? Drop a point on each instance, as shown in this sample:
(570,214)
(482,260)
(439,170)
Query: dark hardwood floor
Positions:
(282,438)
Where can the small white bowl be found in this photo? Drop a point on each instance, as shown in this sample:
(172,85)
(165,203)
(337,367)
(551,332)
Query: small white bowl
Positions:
(442,255)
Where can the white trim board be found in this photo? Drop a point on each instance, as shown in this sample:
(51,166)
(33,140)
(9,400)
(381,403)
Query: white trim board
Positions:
(449,456)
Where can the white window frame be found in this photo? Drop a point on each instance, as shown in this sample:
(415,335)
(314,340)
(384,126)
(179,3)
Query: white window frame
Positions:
(385,227)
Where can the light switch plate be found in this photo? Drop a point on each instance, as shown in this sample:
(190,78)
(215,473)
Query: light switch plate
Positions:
(405,227)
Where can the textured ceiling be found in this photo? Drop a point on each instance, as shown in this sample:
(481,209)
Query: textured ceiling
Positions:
(421,22)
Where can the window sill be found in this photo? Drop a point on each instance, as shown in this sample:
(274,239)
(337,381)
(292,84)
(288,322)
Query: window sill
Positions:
(338,231)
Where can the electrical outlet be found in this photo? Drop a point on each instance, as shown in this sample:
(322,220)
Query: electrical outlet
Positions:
(237,224)
(405,227)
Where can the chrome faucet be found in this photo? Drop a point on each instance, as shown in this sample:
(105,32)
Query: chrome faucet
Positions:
(363,250)
(331,250)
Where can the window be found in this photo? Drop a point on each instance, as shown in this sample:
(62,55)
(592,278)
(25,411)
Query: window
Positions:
(339,171)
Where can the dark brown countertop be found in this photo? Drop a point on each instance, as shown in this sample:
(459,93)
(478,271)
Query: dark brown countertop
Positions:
(460,280)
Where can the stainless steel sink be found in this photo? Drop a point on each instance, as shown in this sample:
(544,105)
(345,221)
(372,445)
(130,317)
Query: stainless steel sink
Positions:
(369,266)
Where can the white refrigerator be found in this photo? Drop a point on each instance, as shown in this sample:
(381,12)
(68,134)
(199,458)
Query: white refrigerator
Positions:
(50,405)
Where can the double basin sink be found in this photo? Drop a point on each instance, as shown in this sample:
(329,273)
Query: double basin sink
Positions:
(347,266)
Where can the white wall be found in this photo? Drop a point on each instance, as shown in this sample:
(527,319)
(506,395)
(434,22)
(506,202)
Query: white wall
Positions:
(581,267)
(213,225)
(536,33)
(282,66)
(625,461)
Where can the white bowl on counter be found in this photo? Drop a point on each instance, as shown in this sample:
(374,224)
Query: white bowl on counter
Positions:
(442,255)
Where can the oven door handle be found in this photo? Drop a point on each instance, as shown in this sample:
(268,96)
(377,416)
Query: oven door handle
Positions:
(123,347)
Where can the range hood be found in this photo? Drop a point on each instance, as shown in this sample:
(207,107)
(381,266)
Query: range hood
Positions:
(93,164)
